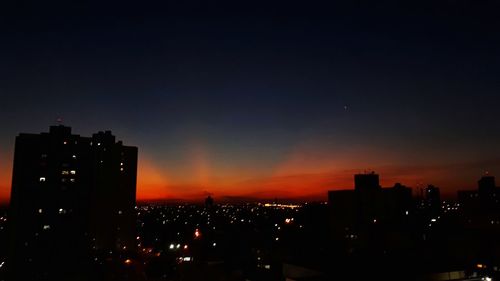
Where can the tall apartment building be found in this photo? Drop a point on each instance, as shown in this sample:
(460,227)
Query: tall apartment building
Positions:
(72,197)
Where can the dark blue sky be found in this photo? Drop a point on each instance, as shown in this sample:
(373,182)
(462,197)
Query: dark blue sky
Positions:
(218,94)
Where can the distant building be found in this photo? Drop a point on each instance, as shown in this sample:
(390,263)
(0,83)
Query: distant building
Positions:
(355,213)
(366,182)
(486,184)
(482,206)
(71,196)
(432,200)
(209,202)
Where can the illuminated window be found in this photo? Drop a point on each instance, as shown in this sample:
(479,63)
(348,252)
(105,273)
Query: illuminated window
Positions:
(72,180)
(46,227)
(42,179)
(73,172)
(74,156)
(64,172)
(40,211)
(121,169)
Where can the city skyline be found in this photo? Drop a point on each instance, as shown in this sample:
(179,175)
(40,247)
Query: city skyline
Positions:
(259,100)
(275,193)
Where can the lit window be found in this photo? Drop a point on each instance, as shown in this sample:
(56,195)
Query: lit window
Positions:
(46,227)
(42,179)
(121,169)
(72,180)
(98,143)
(120,212)
(73,172)
(64,172)
(65,142)
(62,211)
(74,156)
(40,211)
(121,163)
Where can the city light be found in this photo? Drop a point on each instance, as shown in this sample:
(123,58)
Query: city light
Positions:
(266,141)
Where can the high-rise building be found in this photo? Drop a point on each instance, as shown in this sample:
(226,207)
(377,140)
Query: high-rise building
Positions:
(482,206)
(486,184)
(366,181)
(432,200)
(71,198)
(359,215)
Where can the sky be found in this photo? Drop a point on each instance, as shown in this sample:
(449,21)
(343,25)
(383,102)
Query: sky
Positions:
(271,99)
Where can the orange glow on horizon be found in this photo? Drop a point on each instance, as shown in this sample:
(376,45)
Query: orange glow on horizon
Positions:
(306,172)
(5,179)
(151,181)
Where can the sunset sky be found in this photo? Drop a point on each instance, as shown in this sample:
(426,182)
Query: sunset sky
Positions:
(249,99)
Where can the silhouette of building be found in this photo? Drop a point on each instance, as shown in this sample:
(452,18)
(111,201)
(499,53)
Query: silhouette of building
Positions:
(366,181)
(359,214)
(71,197)
(209,202)
(432,200)
(486,184)
(482,206)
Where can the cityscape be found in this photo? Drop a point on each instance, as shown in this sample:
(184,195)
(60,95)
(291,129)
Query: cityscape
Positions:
(73,216)
(249,140)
